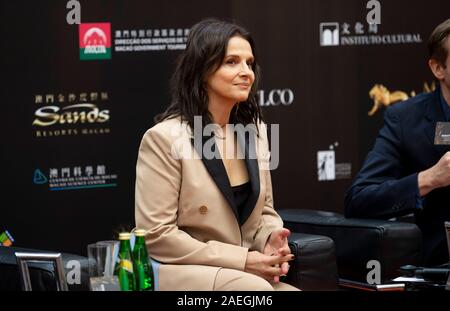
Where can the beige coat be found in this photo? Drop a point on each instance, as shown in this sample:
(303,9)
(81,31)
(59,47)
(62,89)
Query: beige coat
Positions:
(185,206)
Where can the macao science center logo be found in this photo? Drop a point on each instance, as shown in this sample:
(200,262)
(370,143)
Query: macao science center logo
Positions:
(95,41)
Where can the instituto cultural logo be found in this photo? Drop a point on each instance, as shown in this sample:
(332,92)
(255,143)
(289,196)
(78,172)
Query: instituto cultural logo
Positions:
(95,41)
(329,34)
(357,34)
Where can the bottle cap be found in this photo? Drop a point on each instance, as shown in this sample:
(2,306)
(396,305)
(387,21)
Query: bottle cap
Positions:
(139,232)
(124,236)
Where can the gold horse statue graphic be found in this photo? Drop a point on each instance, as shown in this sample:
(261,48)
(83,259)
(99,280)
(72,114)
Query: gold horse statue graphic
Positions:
(383,97)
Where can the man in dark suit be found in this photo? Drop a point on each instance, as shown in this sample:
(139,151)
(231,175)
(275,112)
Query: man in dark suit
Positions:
(407,171)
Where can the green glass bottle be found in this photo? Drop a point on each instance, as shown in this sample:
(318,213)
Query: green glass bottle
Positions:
(143,270)
(125,268)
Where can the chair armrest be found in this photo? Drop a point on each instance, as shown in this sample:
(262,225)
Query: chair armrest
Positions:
(358,241)
(42,275)
(314,266)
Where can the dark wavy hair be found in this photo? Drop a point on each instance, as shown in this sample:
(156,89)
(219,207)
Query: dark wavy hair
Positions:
(205,51)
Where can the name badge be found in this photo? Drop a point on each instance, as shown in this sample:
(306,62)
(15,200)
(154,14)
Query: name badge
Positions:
(442,133)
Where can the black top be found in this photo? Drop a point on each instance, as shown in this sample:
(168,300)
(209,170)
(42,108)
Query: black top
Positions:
(241,194)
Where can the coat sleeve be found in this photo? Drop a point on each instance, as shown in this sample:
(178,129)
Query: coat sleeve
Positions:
(158,183)
(270,220)
(383,189)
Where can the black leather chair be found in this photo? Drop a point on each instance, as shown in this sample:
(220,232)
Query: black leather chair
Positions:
(314,267)
(357,241)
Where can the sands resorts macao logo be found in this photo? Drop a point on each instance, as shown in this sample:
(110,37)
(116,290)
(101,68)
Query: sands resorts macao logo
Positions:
(95,41)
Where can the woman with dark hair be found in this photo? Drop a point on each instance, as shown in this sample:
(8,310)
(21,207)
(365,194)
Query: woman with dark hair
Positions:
(203,187)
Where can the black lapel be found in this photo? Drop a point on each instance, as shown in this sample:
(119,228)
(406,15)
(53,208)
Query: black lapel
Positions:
(215,168)
(252,169)
(435,114)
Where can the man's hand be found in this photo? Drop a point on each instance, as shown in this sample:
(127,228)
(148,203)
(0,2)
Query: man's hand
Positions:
(437,176)
(277,245)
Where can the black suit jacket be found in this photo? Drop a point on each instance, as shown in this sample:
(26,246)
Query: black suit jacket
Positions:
(386,185)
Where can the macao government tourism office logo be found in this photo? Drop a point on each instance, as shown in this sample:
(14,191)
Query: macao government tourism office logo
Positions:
(95,41)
